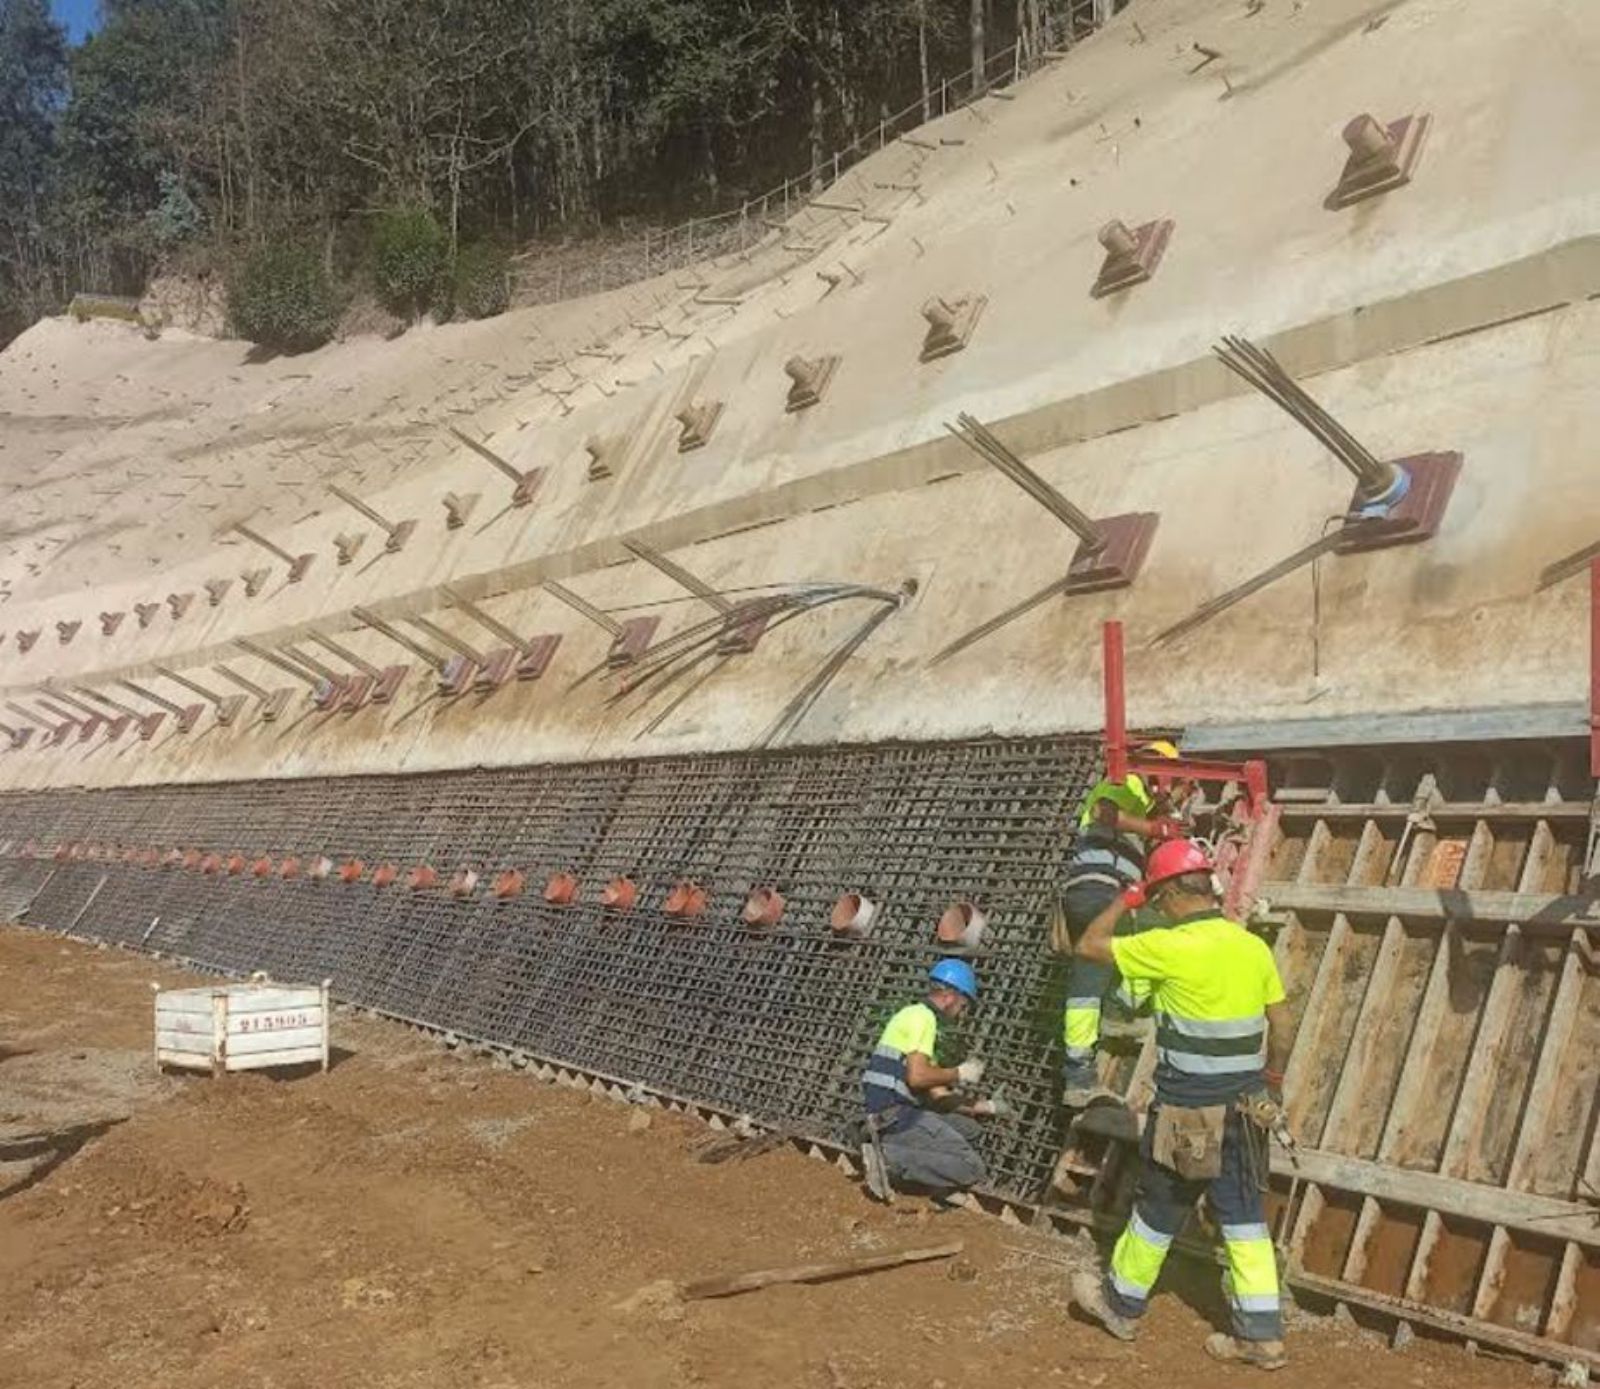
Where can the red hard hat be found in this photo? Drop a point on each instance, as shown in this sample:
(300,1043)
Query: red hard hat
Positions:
(1174,858)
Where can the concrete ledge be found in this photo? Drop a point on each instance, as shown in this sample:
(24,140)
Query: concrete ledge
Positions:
(1366,730)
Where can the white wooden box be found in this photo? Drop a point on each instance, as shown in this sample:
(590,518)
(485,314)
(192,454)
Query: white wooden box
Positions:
(243,1027)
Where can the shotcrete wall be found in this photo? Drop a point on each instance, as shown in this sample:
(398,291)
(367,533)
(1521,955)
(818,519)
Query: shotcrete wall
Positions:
(1454,313)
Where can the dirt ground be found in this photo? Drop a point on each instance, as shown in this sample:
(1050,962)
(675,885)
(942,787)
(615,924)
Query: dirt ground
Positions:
(420,1218)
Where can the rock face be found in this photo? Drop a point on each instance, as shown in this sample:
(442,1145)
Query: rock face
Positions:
(189,303)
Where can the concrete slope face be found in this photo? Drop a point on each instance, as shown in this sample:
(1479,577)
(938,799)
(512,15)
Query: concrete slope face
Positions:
(750,602)
(1450,315)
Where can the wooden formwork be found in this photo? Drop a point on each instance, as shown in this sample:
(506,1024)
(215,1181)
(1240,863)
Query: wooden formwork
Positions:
(1437,936)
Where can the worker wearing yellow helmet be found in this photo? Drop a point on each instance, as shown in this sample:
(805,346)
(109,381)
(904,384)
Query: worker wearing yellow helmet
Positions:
(1116,825)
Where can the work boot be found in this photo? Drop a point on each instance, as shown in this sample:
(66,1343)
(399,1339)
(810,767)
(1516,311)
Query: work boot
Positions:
(1090,1295)
(1108,1116)
(1264,1355)
(1124,1024)
(875,1172)
(1125,1028)
(1080,1084)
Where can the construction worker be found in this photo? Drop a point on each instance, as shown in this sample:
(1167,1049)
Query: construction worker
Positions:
(918,1133)
(1223,1035)
(1117,820)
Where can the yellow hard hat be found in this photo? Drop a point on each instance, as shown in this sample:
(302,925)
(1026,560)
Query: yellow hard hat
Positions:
(1162,748)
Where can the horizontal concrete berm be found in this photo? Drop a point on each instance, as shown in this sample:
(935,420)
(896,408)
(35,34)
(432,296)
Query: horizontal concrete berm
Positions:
(605,565)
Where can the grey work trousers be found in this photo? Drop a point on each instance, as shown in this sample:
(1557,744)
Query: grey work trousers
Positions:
(935,1151)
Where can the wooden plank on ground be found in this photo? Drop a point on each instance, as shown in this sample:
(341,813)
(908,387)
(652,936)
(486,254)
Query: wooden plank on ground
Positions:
(730,1284)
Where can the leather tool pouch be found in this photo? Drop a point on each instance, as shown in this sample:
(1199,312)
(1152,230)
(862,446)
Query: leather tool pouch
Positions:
(1189,1141)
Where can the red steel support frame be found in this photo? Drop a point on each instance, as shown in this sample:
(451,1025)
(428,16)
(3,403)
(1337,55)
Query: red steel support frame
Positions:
(1120,762)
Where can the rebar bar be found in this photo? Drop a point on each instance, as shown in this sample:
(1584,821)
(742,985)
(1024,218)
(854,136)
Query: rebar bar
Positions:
(679,575)
(248,686)
(273,658)
(487,454)
(981,440)
(583,605)
(355,502)
(159,701)
(272,548)
(433,659)
(72,701)
(210,696)
(439,634)
(1260,369)
(488,622)
(350,658)
(117,704)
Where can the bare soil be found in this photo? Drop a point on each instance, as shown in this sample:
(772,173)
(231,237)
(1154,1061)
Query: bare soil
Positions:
(416,1217)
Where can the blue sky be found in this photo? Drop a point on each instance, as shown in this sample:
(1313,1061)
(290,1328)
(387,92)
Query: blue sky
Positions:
(78,15)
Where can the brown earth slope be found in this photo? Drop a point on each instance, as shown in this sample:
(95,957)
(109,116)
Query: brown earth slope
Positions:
(416,1218)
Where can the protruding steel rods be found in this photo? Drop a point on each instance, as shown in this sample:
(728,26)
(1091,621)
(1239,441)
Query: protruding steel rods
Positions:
(981,439)
(1260,369)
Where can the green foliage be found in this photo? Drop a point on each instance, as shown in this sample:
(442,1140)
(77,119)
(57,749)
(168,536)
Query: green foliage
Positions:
(410,251)
(175,218)
(479,287)
(281,297)
(194,125)
(139,96)
(33,71)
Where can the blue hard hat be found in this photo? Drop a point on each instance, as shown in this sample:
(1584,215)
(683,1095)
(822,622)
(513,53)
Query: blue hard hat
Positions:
(957,975)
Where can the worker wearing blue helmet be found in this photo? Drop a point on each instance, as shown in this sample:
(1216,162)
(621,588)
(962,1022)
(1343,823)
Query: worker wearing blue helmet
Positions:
(920,1130)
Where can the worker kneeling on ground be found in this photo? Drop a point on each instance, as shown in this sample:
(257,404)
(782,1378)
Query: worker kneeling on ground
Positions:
(1223,1036)
(1117,823)
(918,1133)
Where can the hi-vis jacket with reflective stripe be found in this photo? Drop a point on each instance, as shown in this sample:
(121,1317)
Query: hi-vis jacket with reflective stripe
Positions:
(1129,794)
(915,1028)
(1211,983)
(1103,855)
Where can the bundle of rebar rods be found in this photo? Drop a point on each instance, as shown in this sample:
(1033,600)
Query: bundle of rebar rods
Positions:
(981,440)
(704,647)
(1260,369)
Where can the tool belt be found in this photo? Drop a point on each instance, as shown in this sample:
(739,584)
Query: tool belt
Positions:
(1264,1117)
(1189,1141)
(1262,1110)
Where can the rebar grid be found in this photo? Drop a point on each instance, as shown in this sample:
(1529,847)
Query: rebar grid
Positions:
(775,1022)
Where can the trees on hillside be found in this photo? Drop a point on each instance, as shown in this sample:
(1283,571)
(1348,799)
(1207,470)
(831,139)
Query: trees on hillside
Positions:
(239,122)
(33,69)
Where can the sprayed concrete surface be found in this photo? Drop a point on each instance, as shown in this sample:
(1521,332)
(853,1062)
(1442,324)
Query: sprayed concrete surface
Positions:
(416,1218)
(1454,313)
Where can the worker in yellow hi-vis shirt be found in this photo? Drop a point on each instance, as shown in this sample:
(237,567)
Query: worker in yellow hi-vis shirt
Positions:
(1223,1034)
(919,1133)
(1117,823)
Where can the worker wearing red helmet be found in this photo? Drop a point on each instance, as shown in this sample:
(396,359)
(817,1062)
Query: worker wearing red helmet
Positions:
(1118,822)
(1223,1034)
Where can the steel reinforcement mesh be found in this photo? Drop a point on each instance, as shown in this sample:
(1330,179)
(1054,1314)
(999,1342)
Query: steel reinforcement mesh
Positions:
(772,1022)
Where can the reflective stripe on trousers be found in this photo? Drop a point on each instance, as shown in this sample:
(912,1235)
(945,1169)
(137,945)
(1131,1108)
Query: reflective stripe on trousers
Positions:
(1088,981)
(1160,1209)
